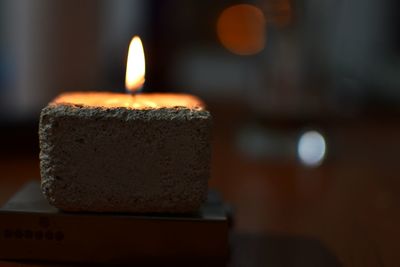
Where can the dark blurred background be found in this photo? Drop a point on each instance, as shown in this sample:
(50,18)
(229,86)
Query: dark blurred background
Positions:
(305,95)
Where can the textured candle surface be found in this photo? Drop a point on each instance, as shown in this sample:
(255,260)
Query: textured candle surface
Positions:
(107,152)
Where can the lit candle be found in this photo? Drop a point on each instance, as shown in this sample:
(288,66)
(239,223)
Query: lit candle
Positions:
(134,81)
(113,152)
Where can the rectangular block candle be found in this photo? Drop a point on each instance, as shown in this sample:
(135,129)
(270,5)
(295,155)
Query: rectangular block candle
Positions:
(109,152)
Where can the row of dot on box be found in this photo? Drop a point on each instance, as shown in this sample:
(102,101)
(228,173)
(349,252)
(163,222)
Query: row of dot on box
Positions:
(33,235)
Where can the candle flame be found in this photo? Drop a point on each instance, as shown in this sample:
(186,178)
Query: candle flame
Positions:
(135,67)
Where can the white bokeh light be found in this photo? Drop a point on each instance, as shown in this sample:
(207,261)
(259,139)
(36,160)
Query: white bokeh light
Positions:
(311,148)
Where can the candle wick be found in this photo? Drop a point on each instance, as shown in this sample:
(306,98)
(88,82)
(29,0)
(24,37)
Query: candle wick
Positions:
(135,92)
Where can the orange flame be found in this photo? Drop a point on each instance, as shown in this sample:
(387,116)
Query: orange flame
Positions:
(136,66)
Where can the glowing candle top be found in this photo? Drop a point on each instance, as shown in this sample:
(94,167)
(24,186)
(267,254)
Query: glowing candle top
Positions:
(140,101)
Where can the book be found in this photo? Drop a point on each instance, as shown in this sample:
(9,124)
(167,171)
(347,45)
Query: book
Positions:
(31,229)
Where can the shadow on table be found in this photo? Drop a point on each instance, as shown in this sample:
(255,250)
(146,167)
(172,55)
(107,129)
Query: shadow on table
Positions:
(280,251)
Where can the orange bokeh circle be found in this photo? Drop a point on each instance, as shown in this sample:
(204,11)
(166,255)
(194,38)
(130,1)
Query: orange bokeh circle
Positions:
(242,29)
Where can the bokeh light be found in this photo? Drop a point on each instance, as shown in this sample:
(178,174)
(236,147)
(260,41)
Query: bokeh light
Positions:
(279,13)
(242,29)
(311,148)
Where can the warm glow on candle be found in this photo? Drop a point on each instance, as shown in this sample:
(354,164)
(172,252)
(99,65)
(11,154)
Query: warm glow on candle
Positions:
(140,101)
(135,67)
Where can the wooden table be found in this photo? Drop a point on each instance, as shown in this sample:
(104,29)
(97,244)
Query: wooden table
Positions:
(344,213)
(252,250)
